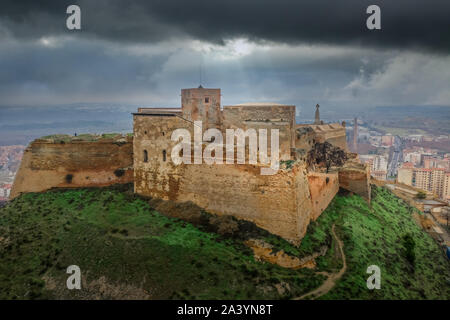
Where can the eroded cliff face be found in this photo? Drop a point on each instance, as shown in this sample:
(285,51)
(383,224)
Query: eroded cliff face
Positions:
(49,163)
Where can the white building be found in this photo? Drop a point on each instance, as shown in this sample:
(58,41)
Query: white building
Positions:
(413,157)
(378,165)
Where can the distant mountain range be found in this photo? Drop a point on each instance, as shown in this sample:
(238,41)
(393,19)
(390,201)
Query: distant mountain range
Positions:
(20,125)
(430,119)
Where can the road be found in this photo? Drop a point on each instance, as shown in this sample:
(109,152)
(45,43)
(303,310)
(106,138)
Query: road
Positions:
(396,158)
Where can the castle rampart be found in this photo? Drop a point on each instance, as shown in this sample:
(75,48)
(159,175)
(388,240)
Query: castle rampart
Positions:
(49,163)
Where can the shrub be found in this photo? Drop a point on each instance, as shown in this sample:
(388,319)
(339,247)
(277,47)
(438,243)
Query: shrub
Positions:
(409,244)
(421,195)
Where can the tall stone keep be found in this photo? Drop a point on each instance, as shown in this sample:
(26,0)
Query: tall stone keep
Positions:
(200,104)
(317,117)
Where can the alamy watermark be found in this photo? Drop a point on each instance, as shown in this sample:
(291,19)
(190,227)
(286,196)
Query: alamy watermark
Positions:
(73,22)
(374,281)
(213,153)
(374,20)
(74,280)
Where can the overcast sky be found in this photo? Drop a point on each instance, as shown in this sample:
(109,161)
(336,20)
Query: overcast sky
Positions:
(296,52)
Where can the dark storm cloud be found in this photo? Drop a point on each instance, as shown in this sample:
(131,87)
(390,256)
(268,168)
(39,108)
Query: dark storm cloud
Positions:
(416,24)
(73,70)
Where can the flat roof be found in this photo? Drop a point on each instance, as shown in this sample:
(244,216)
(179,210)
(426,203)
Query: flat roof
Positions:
(157,111)
(146,109)
(168,114)
(257,104)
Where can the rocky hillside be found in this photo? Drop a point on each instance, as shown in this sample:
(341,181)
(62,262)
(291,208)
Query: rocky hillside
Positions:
(131,247)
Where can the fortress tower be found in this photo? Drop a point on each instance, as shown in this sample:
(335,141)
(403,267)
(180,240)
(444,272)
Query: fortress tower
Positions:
(200,104)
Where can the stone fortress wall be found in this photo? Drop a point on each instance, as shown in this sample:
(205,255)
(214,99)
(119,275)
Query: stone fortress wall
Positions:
(333,133)
(264,116)
(49,163)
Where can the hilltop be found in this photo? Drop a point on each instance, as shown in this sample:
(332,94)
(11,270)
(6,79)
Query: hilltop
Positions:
(126,248)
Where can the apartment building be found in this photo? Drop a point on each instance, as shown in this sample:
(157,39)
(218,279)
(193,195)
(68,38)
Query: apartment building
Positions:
(433,180)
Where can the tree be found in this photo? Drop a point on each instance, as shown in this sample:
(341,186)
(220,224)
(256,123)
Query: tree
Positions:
(409,245)
(421,195)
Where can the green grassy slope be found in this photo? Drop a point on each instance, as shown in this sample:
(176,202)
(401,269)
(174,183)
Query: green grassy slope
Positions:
(377,236)
(85,137)
(114,234)
(126,249)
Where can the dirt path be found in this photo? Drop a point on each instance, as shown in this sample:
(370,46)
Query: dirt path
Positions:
(332,278)
(445,235)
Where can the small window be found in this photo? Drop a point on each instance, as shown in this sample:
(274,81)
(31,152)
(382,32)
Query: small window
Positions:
(145,156)
(164,155)
(206,99)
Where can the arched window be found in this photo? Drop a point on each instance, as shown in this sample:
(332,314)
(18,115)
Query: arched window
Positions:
(145,156)
(164,155)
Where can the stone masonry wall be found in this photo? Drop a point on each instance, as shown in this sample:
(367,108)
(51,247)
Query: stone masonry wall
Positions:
(355,177)
(200,104)
(268,117)
(278,203)
(322,187)
(47,164)
(152,135)
(333,133)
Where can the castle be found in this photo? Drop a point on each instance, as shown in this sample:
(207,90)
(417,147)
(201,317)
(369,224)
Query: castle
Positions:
(314,163)
(283,203)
